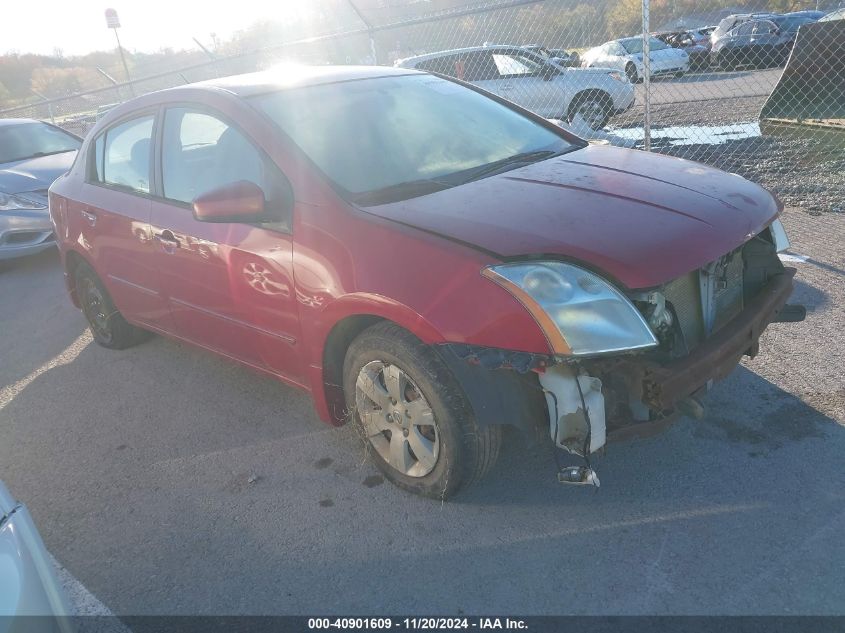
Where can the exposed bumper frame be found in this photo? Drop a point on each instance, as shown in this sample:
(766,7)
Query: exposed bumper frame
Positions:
(502,390)
(715,358)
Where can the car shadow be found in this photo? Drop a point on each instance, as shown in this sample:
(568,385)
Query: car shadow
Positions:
(747,416)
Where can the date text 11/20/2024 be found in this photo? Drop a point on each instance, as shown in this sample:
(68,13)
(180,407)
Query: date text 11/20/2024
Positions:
(430,624)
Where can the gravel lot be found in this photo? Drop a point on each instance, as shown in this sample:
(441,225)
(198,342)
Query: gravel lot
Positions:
(170,481)
(692,116)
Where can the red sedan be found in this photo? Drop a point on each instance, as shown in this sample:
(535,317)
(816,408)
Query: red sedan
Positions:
(429,261)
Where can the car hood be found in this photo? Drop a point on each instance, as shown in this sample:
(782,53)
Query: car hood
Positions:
(640,218)
(34,174)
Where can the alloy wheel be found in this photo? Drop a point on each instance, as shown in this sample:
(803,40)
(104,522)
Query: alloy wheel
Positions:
(397,419)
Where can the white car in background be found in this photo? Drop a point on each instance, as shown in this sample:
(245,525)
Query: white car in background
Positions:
(528,79)
(627,55)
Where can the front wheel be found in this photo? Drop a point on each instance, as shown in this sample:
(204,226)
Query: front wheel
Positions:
(631,71)
(106,323)
(413,415)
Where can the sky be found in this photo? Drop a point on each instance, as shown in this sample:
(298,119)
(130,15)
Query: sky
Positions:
(79,26)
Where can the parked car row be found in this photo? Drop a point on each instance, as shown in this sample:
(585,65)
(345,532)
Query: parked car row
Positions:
(754,39)
(763,41)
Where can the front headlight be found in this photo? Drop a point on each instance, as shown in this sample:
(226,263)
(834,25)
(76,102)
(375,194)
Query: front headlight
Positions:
(580,313)
(779,237)
(8,202)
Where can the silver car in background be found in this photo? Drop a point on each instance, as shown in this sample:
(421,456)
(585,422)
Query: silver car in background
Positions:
(28,583)
(32,155)
(530,80)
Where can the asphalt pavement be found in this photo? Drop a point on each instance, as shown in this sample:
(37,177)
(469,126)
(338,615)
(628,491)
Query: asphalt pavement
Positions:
(169,481)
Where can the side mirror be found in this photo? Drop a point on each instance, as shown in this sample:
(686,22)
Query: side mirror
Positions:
(240,201)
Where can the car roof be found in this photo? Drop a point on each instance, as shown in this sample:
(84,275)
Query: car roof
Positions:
(287,76)
(468,49)
(10,122)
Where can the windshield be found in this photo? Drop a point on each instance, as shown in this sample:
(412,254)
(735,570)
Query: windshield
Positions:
(393,138)
(635,45)
(28,140)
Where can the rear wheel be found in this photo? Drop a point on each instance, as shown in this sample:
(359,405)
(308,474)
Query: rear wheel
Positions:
(594,108)
(107,325)
(413,415)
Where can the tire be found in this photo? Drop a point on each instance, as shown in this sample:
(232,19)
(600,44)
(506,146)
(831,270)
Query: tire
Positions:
(457,451)
(594,108)
(631,71)
(107,325)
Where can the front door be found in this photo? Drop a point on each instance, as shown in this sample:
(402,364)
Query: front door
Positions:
(229,285)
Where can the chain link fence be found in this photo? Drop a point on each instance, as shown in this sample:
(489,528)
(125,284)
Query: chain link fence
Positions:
(741,86)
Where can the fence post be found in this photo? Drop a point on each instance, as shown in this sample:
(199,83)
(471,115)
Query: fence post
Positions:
(646,79)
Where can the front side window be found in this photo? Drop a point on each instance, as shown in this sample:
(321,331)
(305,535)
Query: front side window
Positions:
(764,28)
(126,155)
(201,152)
(393,138)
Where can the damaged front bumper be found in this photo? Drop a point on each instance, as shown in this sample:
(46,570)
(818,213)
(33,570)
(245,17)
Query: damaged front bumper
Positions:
(624,396)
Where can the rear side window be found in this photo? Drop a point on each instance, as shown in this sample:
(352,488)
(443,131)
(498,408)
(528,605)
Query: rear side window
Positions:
(122,155)
(201,152)
(479,66)
(445,65)
(476,66)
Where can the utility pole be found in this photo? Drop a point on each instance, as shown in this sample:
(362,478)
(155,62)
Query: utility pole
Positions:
(370,30)
(113,22)
(646,78)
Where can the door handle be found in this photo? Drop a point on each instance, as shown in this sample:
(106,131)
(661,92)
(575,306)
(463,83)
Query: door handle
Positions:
(167,240)
(90,218)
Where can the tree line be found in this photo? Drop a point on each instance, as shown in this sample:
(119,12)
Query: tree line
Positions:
(27,77)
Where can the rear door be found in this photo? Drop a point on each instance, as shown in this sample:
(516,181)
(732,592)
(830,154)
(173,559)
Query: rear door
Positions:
(229,285)
(112,212)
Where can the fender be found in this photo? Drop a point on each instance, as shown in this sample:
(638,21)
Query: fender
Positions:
(359,310)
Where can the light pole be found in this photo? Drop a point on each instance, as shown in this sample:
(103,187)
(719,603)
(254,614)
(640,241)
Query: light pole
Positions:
(113,22)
